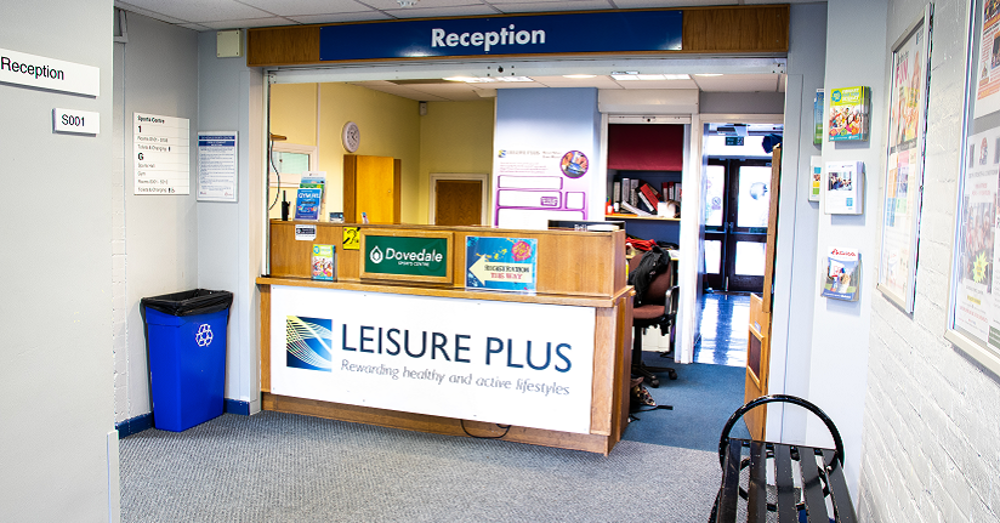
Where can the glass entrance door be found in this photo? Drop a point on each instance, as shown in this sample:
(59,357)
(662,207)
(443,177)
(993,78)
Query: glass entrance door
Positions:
(736,212)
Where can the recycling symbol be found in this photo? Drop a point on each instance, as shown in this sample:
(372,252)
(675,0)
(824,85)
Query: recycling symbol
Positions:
(204,335)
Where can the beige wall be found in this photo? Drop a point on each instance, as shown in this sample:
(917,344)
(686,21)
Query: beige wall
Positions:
(389,127)
(293,112)
(453,137)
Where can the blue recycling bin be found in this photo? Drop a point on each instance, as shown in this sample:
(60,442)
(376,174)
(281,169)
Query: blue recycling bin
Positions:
(186,346)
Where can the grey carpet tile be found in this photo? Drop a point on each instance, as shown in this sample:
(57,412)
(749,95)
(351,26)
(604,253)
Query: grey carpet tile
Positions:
(275,467)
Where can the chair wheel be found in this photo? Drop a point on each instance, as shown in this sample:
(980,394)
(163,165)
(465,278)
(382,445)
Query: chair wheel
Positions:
(672,374)
(654,382)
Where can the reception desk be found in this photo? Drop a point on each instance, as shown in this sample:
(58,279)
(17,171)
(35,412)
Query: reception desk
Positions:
(533,350)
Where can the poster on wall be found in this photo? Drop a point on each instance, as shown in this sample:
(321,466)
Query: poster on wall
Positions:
(491,361)
(903,180)
(217,166)
(988,69)
(537,182)
(976,255)
(973,308)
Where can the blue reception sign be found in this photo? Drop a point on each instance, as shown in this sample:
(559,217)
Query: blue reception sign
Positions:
(504,264)
(605,32)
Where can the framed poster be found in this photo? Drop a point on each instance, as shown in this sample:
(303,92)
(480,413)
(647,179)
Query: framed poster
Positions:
(974,299)
(903,179)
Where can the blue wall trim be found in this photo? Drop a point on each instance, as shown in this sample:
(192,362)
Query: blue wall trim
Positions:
(237,407)
(145,421)
(134,425)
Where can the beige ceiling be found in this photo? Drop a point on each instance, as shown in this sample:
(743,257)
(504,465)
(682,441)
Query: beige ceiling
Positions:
(210,15)
(436,90)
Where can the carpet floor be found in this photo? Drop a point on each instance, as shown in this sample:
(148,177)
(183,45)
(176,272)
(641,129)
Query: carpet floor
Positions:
(703,397)
(274,467)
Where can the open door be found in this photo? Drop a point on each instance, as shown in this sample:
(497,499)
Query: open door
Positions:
(759,341)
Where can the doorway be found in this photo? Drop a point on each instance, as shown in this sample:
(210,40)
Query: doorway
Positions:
(737,196)
(459,198)
(736,224)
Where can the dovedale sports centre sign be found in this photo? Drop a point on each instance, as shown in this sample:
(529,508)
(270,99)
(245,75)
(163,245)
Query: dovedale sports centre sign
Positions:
(414,256)
(604,32)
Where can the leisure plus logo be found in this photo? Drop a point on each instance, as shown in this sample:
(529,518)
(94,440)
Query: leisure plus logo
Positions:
(308,343)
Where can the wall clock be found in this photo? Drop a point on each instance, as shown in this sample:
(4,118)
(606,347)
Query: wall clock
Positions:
(351,137)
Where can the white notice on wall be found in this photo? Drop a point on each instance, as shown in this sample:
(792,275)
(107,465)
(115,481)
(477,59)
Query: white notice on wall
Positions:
(843,189)
(162,154)
(217,166)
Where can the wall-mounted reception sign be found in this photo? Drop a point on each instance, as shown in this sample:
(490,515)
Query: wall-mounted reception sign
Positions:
(607,32)
(415,256)
(49,73)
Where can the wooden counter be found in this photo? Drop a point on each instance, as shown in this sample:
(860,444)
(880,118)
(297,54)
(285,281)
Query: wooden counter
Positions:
(582,273)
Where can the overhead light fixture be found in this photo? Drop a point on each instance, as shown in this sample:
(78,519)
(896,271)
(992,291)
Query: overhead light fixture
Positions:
(676,77)
(470,79)
(709,74)
(579,76)
(407,3)
(488,79)
(625,75)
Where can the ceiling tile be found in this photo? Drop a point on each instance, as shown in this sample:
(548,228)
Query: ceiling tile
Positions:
(202,10)
(195,27)
(541,6)
(292,8)
(441,12)
(252,22)
(386,5)
(146,12)
(339,18)
(652,4)
(600,82)
(738,83)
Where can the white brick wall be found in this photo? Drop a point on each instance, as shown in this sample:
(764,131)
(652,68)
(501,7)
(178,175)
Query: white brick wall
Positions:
(931,423)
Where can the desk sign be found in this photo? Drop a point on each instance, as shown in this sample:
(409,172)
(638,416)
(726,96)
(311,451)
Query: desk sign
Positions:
(503,264)
(48,73)
(522,364)
(410,256)
(305,232)
(75,122)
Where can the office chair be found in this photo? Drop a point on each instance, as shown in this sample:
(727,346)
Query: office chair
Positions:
(655,306)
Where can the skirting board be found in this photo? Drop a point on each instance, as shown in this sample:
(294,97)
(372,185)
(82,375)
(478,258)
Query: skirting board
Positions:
(145,421)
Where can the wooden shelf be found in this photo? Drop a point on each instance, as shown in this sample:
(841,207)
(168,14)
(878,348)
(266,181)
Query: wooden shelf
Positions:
(634,217)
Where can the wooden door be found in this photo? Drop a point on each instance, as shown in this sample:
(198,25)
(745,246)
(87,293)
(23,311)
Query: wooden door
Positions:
(759,342)
(458,202)
(371,186)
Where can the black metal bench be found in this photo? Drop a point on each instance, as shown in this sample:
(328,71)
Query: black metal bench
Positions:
(808,486)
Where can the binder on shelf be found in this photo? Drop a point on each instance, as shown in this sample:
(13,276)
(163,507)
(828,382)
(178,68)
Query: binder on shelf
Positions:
(644,203)
(651,198)
(634,210)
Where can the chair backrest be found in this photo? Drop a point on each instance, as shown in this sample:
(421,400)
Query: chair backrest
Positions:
(657,289)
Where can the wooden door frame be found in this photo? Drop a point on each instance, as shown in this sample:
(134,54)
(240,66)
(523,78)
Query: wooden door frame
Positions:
(481,177)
